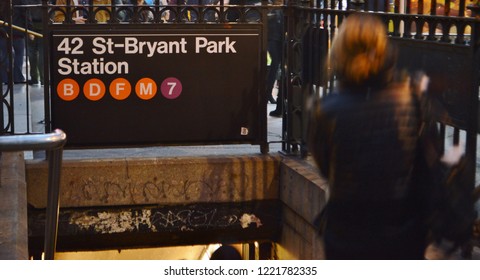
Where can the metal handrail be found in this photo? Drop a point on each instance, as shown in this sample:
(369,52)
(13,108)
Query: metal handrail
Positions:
(47,141)
(19,28)
(53,143)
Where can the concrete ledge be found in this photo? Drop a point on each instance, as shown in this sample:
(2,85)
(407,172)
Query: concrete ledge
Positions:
(163,181)
(13,207)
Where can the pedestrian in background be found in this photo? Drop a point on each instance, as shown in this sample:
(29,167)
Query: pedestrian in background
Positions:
(124,10)
(35,44)
(226,252)
(144,13)
(19,19)
(4,7)
(102,11)
(275,33)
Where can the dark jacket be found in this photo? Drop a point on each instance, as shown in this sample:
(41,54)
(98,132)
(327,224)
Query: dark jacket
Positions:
(365,144)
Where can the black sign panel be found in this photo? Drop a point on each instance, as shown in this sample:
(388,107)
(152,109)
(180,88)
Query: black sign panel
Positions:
(158,86)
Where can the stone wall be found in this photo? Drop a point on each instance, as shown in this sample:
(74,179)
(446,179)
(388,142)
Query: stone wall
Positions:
(303,191)
(13,207)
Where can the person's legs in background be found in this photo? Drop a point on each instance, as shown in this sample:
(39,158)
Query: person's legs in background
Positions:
(19,54)
(35,58)
(275,51)
(3,60)
(278,112)
(40,59)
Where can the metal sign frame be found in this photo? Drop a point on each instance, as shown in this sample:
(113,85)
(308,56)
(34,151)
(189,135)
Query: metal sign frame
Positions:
(219,70)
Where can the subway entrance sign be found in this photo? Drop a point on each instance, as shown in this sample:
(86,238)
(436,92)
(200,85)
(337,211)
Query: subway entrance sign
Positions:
(157,85)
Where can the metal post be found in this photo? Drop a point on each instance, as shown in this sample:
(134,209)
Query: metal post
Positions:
(51,223)
(46,65)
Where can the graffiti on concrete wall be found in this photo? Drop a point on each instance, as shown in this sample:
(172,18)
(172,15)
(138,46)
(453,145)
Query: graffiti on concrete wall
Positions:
(101,190)
(156,220)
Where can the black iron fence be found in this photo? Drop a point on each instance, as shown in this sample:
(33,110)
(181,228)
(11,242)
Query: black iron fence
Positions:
(444,47)
(439,37)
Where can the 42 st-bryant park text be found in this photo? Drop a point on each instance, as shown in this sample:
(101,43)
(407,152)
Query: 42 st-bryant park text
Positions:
(130,46)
